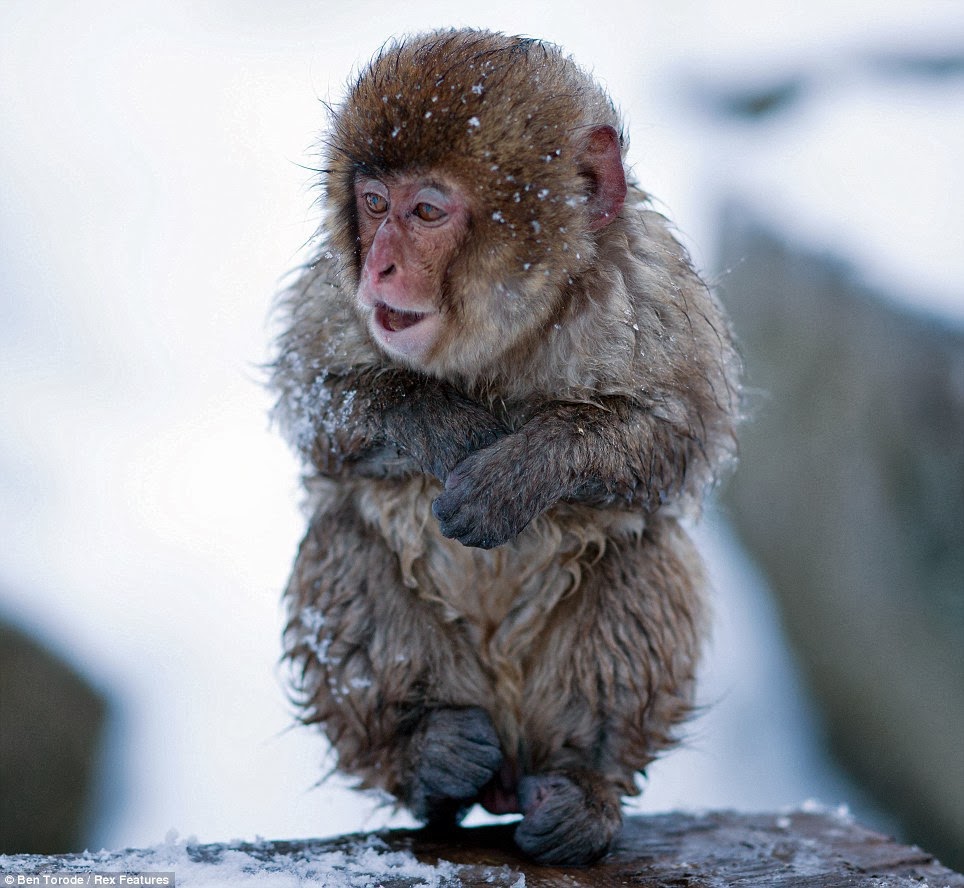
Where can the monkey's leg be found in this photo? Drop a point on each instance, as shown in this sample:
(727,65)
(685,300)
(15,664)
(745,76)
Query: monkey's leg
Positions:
(396,687)
(607,683)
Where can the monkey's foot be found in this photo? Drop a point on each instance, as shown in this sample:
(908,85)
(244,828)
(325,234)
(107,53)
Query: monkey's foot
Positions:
(459,754)
(570,818)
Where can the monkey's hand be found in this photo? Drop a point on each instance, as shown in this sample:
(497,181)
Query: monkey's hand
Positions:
(612,452)
(491,495)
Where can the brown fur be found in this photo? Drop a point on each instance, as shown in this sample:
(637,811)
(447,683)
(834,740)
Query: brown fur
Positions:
(582,401)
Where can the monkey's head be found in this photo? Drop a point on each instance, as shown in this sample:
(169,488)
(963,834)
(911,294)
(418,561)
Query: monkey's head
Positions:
(468,176)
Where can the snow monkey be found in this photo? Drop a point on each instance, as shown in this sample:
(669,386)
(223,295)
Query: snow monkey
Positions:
(508,386)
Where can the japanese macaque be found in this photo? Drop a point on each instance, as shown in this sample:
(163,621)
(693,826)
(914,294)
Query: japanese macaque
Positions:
(508,386)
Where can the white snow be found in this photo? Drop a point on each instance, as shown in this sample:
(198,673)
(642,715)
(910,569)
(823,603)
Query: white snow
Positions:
(364,864)
(864,166)
(153,193)
(869,173)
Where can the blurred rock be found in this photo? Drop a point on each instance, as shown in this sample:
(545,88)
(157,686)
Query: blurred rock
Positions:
(51,724)
(850,495)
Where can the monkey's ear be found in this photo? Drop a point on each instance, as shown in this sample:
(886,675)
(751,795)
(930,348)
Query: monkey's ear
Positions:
(602,164)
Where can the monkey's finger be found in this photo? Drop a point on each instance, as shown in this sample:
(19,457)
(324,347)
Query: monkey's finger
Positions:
(469,524)
(474,510)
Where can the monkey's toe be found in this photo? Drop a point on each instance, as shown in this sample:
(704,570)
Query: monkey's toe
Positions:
(460,753)
(570,819)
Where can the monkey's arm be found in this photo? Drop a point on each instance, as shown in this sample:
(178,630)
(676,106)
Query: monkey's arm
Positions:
(612,452)
(389,423)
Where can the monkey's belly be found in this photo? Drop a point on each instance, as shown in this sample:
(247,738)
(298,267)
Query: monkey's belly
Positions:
(579,638)
(535,609)
(489,587)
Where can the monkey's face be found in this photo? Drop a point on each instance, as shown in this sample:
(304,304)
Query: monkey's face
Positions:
(467,175)
(410,228)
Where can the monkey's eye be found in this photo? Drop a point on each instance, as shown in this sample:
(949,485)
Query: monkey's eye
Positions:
(429,212)
(376,203)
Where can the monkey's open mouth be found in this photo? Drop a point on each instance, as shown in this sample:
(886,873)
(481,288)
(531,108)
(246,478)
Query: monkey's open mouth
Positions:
(395,319)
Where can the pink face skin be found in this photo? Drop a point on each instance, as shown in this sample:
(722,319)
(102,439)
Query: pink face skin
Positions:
(410,228)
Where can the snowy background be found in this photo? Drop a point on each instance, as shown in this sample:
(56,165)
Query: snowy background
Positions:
(153,193)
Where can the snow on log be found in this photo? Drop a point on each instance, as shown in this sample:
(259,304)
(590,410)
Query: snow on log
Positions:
(813,848)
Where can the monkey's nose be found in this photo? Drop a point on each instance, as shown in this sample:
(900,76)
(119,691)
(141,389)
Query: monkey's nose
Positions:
(386,272)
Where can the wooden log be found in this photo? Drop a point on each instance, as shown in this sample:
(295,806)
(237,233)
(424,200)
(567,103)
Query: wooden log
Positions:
(801,849)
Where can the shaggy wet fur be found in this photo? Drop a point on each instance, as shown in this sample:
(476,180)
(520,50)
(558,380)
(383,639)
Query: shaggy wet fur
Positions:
(495,600)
